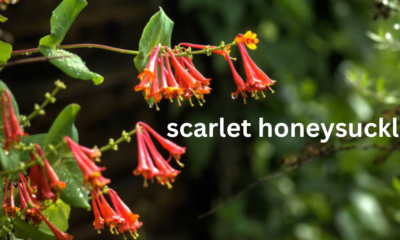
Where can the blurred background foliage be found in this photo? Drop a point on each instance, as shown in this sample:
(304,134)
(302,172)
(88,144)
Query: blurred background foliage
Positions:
(335,61)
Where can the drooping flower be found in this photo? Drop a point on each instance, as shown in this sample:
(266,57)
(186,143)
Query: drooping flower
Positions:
(167,174)
(173,90)
(131,223)
(148,74)
(9,208)
(52,175)
(189,84)
(175,150)
(145,166)
(151,163)
(86,162)
(38,179)
(98,222)
(249,38)
(257,80)
(57,233)
(31,214)
(7,130)
(12,129)
(241,86)
(111,218)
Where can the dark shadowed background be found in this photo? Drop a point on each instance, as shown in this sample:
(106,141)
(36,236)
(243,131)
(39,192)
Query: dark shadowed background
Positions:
(304,44)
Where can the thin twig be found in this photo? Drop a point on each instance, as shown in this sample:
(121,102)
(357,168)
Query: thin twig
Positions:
(32,60)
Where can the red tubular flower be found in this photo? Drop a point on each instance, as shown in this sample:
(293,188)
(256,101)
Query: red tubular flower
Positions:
(112,219)
(91,172)
(31,214)
(187,80)
(16,128)
(257,80)
(98,222)
(148,154)
(189,84)
(131,220)
(31,197)
(148,74)
(52,175)
(167,173)
(57,233)
(257,71)
(145,166)
(175,150)
(9,208)
(224,53)
(7,130)
(241,86)
(38,179)
(173,90)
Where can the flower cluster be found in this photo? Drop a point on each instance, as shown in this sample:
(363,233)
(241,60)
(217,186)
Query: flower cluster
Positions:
(151,163)
(39,183)
(119,220)
(256,80)
(31,203)
(12,129)
(86,158)
(186,81)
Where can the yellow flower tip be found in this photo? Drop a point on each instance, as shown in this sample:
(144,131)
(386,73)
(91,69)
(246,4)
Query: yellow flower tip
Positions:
(252,46)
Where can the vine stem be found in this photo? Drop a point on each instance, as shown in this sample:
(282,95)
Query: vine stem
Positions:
(113,145)
(80,45)
(119,50)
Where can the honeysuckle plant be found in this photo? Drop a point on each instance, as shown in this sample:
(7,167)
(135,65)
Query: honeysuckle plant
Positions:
(44,175)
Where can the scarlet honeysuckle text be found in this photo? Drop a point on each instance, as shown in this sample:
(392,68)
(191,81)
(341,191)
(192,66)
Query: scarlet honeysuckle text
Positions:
(324,131)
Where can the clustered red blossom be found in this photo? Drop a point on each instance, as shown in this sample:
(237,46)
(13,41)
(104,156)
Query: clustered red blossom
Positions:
(12,129)
(151,163)
(42,184)
(32,197)
(186,81)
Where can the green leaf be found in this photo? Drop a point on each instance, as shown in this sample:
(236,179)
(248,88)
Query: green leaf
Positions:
(67,170)
(4,87)
(61,20)
(3,19)
(26,231)
(10,162)
(5,52)
(62,126)
(13,237)
(58,215)
(158,30)
(72,65)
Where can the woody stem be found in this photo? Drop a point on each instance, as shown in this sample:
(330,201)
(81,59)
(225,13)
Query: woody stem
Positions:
(113,145)
(81,45)
(114,49)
